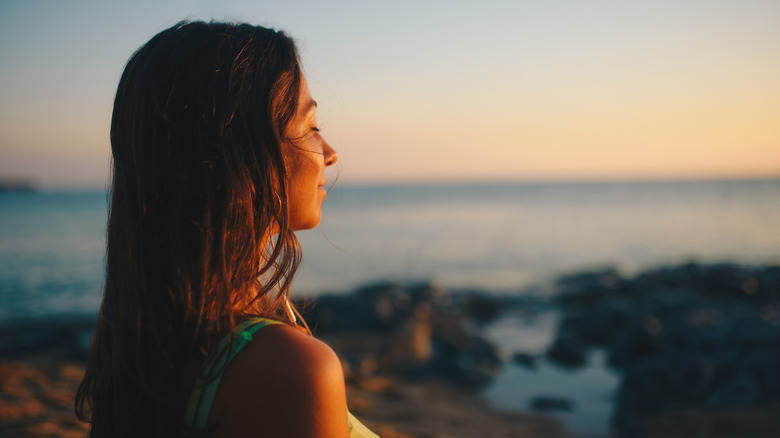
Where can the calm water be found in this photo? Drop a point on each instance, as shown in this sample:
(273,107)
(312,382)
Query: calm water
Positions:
(51,253)
(500,238)
(503,238)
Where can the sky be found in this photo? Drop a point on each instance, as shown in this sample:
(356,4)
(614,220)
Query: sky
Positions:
(436,91)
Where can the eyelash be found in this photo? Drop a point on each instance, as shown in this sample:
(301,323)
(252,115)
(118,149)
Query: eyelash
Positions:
(315,129)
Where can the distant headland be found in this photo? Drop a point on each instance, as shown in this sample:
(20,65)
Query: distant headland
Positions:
(16,185)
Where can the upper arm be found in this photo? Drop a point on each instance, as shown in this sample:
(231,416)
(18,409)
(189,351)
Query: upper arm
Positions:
(283,383)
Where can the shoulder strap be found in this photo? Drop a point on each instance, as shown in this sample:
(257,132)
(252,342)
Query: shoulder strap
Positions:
(207,383)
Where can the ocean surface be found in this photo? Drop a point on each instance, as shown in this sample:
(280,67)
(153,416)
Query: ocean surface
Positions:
(506,238)
(503,239)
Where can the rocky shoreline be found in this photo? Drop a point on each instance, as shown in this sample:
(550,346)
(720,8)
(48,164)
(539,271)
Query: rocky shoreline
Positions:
(696,347)
(42,362)
(691,338)
(689,341)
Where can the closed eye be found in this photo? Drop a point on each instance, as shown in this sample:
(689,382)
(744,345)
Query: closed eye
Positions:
(315,129)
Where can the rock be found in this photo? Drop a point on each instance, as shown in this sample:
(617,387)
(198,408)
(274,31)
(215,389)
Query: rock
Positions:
(525,360)
(460,354)
(587,288)
(632,345)
(374,308)
(683,336)
(481,307)
(567,351)
(71,335)
(411,345)
(550,403)
(419,336)
(595,326)
(740,390)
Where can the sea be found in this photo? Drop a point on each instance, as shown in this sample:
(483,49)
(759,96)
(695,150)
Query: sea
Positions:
(506,239)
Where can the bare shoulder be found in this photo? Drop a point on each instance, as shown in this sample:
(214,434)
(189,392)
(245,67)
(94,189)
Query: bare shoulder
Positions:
(284,350)
(284,383)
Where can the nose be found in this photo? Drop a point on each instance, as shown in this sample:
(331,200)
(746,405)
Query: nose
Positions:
(330,155)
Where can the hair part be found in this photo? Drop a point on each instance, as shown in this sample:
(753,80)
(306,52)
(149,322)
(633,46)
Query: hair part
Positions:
(198,192)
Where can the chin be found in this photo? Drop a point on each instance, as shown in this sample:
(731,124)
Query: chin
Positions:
(306,224)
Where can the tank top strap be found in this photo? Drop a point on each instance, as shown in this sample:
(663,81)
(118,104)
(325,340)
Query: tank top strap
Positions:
(207,383)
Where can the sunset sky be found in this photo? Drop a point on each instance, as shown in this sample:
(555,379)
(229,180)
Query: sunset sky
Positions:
(437,91)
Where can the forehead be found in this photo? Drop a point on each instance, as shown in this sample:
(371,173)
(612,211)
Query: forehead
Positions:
(305,101)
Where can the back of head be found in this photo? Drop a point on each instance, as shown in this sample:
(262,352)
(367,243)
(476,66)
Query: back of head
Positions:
(198,183)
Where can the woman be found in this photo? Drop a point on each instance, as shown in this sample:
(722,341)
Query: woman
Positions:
(217,160)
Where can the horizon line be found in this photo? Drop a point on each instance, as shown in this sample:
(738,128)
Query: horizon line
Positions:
(49,188)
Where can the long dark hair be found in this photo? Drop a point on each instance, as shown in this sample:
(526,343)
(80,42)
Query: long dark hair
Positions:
(197,200)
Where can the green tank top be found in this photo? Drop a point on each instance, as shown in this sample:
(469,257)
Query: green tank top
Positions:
(207,383)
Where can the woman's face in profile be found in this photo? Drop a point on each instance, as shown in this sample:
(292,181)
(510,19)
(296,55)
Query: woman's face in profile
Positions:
(306,156)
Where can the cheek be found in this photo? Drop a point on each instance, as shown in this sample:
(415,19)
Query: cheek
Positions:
(291,162)
(303,176)
(306,169)
(297,159)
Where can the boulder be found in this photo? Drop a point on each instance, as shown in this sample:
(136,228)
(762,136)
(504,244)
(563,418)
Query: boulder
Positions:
(682,336)
(419,334)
